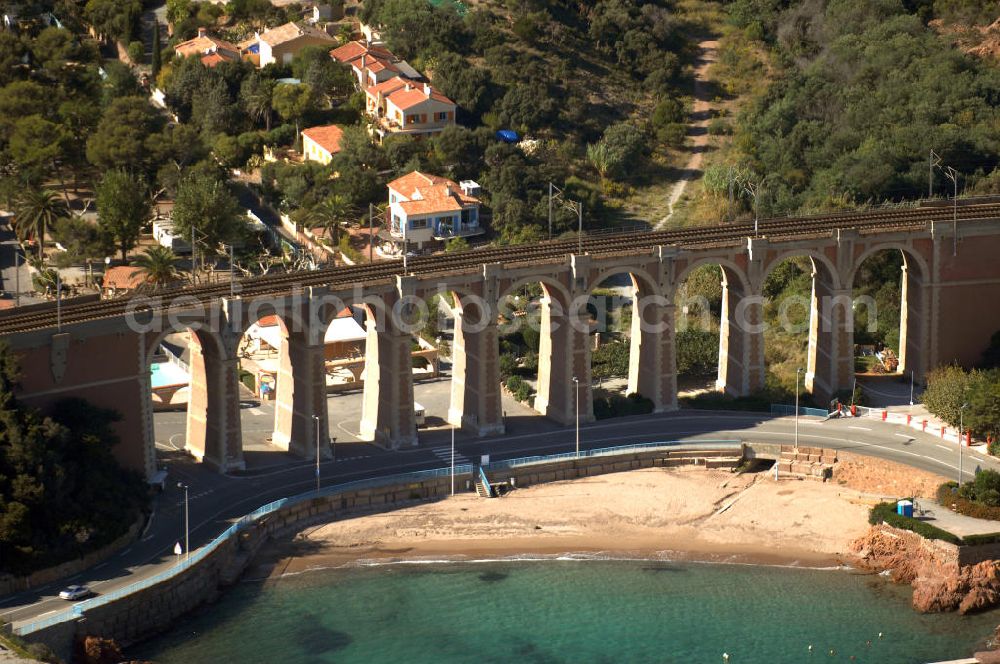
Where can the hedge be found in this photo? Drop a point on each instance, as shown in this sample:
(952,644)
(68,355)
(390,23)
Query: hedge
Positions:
(988,538)
(886,513)
(947,496)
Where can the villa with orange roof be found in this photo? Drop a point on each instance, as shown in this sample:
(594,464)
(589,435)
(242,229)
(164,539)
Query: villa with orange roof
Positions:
(211,50)
(372,64)
(400,106)
(425,209)
(321,143)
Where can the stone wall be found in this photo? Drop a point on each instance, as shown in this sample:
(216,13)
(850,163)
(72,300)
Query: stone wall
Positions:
(151,610)
(14,584)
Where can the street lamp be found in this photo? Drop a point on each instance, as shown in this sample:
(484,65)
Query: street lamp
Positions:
(316,417)
(911,387)
(961,432)
(453,459)
(797,372)
(576,381)
(17,274)
(232,284)
(187,528)
(58,301)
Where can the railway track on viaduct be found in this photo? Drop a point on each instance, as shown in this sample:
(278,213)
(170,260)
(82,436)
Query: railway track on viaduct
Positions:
(346,276)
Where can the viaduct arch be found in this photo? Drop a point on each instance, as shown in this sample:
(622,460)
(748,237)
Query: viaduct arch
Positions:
(100,351)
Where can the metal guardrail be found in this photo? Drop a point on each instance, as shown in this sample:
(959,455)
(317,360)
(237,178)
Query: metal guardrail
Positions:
(782,409)
(607,451)
(486,483)
(78,609)
(243,523)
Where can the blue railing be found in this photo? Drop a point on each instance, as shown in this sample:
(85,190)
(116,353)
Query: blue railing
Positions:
(486,482)
(782,409)
(243,523)
(605,451)
(246,521)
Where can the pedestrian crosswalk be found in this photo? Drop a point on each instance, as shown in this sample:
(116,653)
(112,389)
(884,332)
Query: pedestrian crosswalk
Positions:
(444,454)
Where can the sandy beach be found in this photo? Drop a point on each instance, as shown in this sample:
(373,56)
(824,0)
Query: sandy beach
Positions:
(679,514)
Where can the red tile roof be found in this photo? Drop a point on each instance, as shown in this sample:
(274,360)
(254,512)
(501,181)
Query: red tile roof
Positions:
(212,59)
(327,137)
(125,277)
(387,87)
(203,44)
(404,99)
(351,51)
(429,194)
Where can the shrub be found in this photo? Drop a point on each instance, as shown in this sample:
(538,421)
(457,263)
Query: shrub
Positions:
(967,501)
(619,406)
(886,513)
(994,447)
(508,365)
(136,52)
(719,127)
(521,390)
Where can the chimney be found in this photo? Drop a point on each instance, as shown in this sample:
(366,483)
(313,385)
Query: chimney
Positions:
(427,89)
(202,32)
(408,87)
(362,61)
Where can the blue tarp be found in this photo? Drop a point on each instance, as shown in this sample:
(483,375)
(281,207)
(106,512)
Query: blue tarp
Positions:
(507,135)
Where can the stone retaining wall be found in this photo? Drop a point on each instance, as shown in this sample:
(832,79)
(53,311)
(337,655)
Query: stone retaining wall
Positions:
(149,611)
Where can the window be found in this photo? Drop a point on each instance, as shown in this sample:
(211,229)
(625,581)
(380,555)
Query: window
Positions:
(418,223)
(442,116)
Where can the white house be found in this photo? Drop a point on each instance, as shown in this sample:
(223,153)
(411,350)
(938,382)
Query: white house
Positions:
(426,209)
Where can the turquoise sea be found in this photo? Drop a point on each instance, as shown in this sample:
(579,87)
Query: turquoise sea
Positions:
(568,611)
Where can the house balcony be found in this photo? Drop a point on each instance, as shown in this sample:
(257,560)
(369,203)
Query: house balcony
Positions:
(465,230)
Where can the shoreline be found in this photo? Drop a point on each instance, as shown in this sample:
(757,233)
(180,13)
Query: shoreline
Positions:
(678,515)
(489,556)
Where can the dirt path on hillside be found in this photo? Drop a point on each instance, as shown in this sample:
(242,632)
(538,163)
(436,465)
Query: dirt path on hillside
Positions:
(697,127)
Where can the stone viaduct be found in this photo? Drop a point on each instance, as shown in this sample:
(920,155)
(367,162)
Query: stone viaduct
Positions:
(101,351)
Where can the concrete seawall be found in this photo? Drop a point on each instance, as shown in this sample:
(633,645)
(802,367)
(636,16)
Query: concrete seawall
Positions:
(149,611)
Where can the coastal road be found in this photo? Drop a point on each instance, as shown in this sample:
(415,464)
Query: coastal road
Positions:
(215,501)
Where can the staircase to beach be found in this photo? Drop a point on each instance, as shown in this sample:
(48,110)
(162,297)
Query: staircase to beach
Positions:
(708,458)
(806,462)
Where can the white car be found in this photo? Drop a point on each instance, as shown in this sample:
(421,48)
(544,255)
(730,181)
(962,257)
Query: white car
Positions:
(75,592)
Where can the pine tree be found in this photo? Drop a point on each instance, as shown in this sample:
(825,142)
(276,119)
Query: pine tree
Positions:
(156,49)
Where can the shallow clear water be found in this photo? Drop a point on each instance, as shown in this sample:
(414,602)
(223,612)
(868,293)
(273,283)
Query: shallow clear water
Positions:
(568,611)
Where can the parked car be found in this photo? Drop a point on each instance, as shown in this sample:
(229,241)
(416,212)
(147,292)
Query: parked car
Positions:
(75,592)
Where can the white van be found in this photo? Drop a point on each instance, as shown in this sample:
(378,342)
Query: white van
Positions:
(418,414)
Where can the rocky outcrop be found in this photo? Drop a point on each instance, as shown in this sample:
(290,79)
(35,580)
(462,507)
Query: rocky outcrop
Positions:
(932,567)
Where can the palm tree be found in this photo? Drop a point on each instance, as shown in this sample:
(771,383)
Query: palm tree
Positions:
(330,213)
(256,95)
(36,211)
(159,264)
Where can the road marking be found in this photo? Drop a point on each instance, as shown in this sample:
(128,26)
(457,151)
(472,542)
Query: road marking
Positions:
(943,447)
(903,435)
(99,566)
(125,551)
(444,454)
(258,412)
(858,428)
(148,524)
(340,425)
(42,615)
